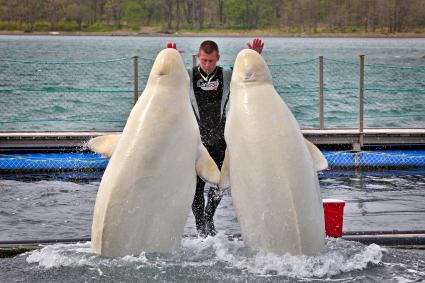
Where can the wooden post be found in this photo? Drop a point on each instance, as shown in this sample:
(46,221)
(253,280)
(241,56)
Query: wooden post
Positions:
(361,99)
(136,78)
(321,114)
(194,61)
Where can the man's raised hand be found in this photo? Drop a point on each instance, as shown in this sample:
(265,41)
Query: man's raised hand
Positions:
(257,45)
(174,46)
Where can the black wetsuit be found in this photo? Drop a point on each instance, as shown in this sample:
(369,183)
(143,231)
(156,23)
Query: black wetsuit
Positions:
(208,91)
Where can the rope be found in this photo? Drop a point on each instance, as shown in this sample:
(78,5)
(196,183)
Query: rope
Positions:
(395,67)
(53,90)
(393,115)
(342,61)
(293,63)
(395,90)
(66,62)
(63,120)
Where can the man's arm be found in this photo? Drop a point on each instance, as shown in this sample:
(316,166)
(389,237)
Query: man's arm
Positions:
(257,44)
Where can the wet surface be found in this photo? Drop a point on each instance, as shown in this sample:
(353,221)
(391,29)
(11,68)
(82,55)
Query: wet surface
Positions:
(61,205)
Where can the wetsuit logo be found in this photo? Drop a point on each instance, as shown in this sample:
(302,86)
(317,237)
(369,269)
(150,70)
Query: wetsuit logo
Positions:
(207,85)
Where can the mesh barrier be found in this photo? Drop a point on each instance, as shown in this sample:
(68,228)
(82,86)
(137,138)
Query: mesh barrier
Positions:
(341,93)
(67,96)
(394,96)
(376,159)
(39,162)
(298,84)
(98,96)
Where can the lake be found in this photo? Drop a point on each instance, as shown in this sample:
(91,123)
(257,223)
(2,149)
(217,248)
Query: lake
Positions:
(74,85)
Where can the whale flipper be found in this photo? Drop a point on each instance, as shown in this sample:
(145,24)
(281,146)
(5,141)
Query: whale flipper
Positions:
(225,173)
(319,160)
(206,168)
(104,145)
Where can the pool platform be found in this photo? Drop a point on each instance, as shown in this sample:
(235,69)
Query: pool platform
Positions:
(343,148)
(352,139)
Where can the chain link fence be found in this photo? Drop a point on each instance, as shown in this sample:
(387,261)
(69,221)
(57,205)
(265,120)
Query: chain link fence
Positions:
(98,96)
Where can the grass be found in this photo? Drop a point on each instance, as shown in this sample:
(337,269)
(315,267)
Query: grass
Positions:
(100,27)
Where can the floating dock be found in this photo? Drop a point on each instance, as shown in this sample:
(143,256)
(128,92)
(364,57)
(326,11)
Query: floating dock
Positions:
(343,148)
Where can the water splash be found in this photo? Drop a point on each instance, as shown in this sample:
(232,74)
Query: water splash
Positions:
(220,252)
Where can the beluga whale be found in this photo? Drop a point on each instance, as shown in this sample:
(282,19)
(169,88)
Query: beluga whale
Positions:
(270,168)
(147,189)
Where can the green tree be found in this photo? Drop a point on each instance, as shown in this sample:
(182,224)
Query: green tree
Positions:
(113,11)
(134,13)
(77,11)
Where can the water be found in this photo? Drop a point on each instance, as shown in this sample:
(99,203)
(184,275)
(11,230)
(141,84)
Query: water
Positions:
(75,97)
(98,96)
(61,206)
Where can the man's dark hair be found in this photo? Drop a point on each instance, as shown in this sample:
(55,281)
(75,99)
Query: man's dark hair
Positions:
(209,46)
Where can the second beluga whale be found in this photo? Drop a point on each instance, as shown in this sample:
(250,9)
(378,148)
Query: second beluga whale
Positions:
(269,166)
(147,189)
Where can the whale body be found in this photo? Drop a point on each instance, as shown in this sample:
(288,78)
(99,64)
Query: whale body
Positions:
(269,166)
(147,189)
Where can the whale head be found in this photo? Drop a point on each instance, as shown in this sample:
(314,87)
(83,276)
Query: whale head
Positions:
(250,67)
(168,64)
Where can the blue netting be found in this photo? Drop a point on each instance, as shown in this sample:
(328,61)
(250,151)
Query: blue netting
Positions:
(92,161)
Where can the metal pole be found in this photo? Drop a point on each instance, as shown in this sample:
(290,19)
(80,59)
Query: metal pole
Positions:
(136,78)
(361,99)
(322,118)
(194,61)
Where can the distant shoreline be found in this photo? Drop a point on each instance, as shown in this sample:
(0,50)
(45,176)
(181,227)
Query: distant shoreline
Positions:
(219,34)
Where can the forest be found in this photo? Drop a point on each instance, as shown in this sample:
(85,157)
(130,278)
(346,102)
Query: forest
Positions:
(285,16)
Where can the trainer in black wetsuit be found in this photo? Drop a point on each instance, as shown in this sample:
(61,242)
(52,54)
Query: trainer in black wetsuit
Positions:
(209,107)
(210,87)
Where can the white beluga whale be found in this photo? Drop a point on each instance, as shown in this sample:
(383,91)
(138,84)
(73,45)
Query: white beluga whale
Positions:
(270,167)
(147,189)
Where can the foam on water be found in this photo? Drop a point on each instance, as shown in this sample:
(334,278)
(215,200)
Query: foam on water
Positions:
(340,256)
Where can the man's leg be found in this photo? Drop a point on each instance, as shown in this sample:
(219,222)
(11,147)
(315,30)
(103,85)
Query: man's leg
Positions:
(214,198)
(214,194)
(198,206)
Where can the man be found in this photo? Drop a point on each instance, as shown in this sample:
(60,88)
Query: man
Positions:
(209,93)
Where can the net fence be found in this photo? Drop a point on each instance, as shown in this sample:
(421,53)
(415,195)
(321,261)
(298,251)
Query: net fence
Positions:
(67,96)
(98,95)
(341,93)
(91,162)
(395,96)
(298,85)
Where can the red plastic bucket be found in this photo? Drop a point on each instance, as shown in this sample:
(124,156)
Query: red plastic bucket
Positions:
(334,215)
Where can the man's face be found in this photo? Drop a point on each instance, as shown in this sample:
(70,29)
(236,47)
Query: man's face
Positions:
(208,62)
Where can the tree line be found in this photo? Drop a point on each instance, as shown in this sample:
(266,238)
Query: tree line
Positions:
(310,16)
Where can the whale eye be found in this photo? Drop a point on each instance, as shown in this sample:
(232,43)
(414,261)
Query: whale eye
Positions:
(249,77)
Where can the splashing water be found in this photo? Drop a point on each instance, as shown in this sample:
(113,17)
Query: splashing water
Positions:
(218,258)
